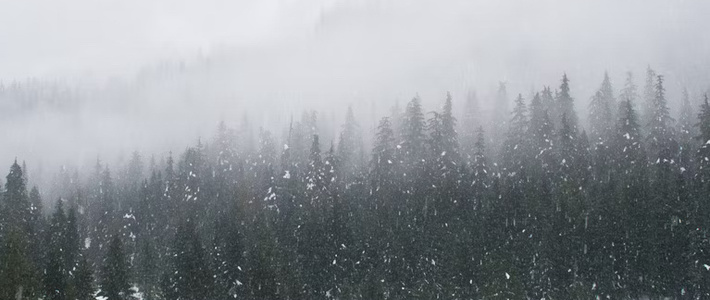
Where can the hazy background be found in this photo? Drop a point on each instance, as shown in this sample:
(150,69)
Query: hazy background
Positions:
(155,75)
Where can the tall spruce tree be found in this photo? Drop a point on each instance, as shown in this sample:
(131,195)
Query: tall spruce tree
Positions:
(661,140)
(703,153)
(470,122)
(649,98)
(601,113)
(686,121)
(542,140)
(115,278)
(16,212)
(499,119)
(515,149)
(565,106)
(56,273)
(17,209)
(84,281)
(350,152)
(188,275)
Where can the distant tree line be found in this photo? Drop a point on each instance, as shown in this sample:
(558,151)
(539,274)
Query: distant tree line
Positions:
(549,210)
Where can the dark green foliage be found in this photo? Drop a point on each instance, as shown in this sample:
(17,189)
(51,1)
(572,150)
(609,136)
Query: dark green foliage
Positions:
(83,281)
(661,136)
(228,257)
(15,274)
(148,274)
(601,115)
(115,280)
(532,208)
(565,106)
(648,97)
(56,272)
(471,119)
(350,152)
(20,239)
(17,208)
(188,275)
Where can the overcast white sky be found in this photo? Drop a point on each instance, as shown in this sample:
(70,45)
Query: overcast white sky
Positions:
(103,37)
(47,37)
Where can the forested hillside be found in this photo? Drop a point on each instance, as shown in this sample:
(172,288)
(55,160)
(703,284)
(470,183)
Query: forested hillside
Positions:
(532,202)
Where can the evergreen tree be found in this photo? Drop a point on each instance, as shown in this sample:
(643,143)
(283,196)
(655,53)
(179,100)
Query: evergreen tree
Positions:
(16,213)
(516,143)
(84,281)
(499,118)
(382,212)
(608,93)
(686,121)
(383,154)
(630,169)
(115,280)
(37,225)
(188,276)
(687,132)
(17,209)
(628,93)
(445,217)
(515,156)
(661,139)
(565,106)
(228,251)
(56,273)
(71,243)
(703,154)
(700,236)
(469,124)
(541,134)
(350,150)
(412,134)
(704,121)
(15,275)
(649,97)
(548,101)
(147,271)
(102,213)
(262,277)
(601,113)
(480,165)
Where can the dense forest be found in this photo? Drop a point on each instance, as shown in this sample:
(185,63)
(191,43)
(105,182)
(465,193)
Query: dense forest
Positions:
(531,205)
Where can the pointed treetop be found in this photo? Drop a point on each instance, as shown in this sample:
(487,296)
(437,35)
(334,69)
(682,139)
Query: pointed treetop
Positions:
(704,121)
